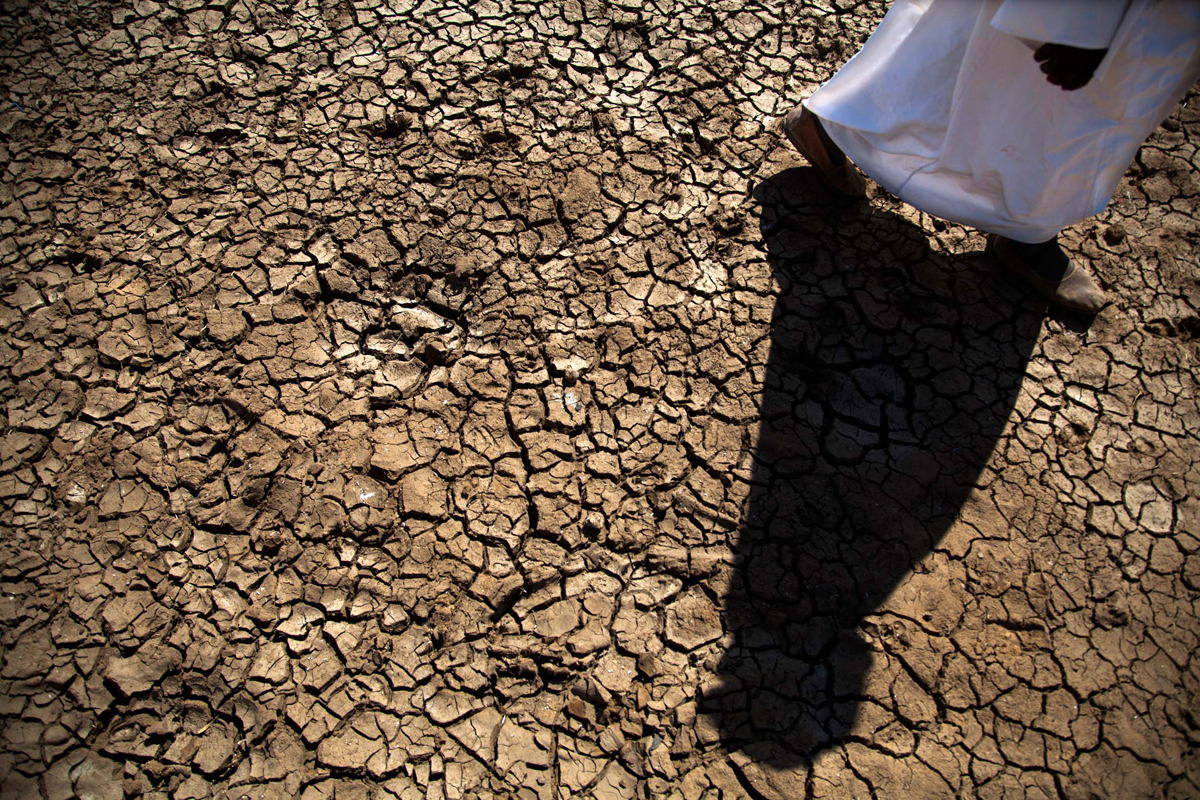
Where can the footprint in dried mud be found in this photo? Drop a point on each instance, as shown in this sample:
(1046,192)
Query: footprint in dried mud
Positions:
(888,383)
(1186,329)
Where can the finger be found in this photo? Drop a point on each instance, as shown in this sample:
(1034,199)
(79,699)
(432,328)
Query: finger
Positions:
(1065,72)
(1071,75)
(1066,82)
(1075,81)
(1054,74)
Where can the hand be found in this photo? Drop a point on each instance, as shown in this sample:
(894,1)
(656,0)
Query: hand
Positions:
(1069,67)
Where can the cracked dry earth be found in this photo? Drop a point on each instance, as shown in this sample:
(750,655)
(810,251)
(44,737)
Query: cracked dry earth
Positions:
(478,400)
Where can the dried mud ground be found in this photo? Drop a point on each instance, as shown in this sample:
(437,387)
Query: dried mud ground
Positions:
(478,400)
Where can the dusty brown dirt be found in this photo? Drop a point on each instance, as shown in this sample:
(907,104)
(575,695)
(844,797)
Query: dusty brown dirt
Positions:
(478,400)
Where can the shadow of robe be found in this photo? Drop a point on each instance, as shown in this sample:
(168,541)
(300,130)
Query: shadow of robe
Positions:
(891,373)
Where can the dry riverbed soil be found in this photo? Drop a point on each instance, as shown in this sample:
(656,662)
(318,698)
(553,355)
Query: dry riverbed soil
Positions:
(479,400)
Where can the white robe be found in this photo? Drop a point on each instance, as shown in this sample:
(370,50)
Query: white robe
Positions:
(946,107)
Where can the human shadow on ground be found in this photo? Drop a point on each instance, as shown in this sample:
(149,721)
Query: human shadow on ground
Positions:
(891,373)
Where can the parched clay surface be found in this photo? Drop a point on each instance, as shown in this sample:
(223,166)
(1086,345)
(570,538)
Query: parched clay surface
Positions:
(479,400)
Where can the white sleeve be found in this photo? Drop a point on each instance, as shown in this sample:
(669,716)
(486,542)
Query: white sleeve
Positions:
(1079,23)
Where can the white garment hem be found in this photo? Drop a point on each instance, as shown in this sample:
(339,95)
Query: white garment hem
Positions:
(962,206)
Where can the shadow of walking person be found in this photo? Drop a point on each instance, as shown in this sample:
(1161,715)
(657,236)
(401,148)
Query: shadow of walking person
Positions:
(892,371)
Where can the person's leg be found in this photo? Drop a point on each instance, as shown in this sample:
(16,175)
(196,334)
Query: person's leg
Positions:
(803,129)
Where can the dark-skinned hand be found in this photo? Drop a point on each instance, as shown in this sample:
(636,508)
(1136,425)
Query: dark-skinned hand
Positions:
(1068,67)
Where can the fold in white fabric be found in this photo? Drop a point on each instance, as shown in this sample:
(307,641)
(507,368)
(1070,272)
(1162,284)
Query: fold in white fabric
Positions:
(946,107)
(1080,23)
